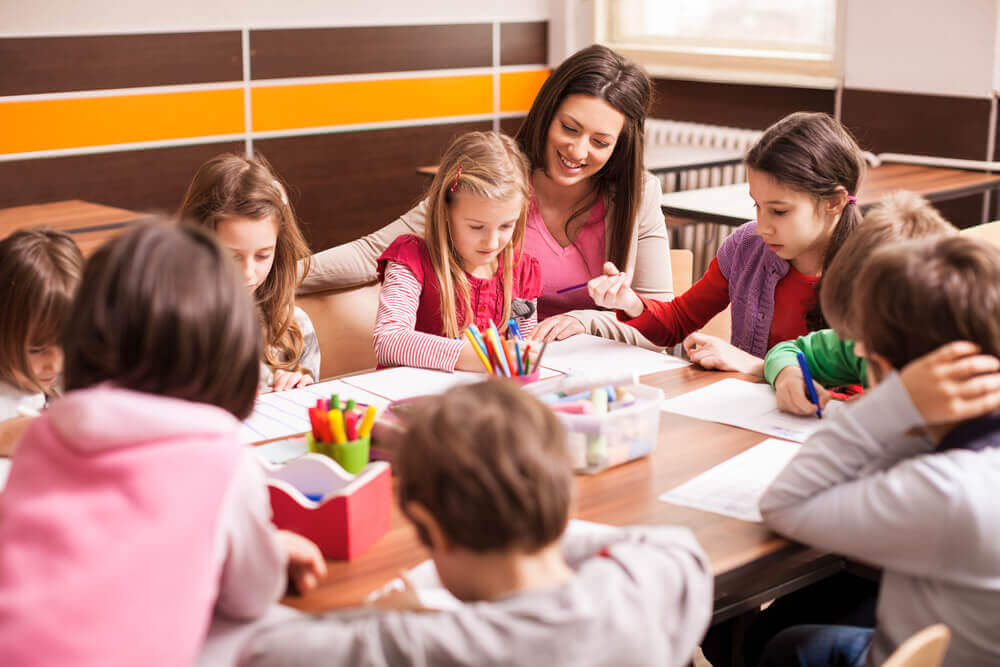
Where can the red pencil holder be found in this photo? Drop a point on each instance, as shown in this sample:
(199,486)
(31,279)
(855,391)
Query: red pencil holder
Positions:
(529,378)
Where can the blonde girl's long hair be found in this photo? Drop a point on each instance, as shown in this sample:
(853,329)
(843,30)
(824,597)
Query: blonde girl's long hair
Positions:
(39,274)
(484,164)
(232,186)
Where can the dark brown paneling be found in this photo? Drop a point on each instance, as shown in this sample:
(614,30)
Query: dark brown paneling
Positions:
(278,54)
(735,105)
(59,64)
(524,43)
(146,180)
(883,121)
(964,212)
(345,185)
(510,126)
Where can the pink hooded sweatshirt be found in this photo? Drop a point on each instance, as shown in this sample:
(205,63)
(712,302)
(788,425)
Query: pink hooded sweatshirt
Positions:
(128,518)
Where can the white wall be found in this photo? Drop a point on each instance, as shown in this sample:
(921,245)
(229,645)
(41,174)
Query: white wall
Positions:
(67,17)
(922,46)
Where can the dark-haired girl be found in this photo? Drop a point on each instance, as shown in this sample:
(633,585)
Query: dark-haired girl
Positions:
(804,175)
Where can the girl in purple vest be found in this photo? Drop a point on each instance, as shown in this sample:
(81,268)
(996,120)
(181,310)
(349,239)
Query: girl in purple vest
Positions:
(467,268)
(804,176)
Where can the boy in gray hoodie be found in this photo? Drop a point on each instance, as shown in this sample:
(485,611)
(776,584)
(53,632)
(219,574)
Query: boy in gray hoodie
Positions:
(486,479)
(882,483)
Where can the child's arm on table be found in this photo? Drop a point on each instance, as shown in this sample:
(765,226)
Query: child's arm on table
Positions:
(396,341)
(253,562)
(832,362)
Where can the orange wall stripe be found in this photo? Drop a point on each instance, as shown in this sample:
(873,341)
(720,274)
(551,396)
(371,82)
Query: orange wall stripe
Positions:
(518,89)
(38,125)
(350,102)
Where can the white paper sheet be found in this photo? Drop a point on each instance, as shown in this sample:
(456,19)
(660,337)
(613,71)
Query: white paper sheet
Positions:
(593,355)
(404,382)
(734,487)
(283,413)
(749,405)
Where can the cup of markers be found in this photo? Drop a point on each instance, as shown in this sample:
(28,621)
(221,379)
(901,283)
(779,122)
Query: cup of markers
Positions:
(505,357)
(341,432)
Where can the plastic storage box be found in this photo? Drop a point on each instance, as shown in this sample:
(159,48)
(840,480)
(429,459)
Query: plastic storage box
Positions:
(598,442)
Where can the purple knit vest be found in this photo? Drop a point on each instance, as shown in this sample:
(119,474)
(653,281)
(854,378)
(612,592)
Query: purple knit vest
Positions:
(753,271)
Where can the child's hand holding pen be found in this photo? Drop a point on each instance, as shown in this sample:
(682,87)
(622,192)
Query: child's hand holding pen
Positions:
(789,389)
(613,290)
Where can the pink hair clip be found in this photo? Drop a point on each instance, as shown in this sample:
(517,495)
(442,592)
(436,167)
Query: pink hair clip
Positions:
(851,199)
(454,186)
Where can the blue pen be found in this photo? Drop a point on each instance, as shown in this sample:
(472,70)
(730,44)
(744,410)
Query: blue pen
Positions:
(516,330)
(807,378)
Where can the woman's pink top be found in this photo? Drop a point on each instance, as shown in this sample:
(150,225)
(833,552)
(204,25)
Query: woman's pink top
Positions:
(563,267)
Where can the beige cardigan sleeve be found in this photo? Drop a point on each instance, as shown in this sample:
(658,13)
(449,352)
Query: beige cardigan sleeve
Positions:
(649,265)
(352,264)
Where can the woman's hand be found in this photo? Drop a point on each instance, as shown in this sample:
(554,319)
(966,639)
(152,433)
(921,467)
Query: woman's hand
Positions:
(290,380)
(790,390)
(613,290)
(557,327)
(716,354)
(306,565)
(953,383)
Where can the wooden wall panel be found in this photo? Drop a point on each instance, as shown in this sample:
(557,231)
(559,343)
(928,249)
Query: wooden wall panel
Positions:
(524,43)
(62,64)
(347,184)
(734,105)
(147,180)
(365,50)
(923,124)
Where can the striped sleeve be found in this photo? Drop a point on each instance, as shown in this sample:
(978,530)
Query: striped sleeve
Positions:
(528,324)
(396,342)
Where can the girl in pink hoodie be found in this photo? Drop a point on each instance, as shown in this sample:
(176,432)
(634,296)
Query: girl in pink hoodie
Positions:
(132,514)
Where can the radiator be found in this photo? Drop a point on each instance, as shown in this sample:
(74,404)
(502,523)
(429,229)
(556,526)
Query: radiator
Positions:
(702,239)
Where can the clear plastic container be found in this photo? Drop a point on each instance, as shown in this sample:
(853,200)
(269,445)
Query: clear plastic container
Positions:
(598,442)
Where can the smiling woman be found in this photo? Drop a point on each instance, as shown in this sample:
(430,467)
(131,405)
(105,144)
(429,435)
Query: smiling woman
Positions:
(591,200)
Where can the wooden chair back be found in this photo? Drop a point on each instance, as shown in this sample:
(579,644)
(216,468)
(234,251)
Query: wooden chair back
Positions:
(344,320)
(924,649)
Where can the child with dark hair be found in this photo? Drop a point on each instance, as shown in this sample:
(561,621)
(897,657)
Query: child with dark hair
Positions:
(901,479)
(132,513)
(804,174)
(486,478)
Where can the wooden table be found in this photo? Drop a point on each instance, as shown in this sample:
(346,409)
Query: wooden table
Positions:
(731,204)
(751,564)
(90,224)
(668,158)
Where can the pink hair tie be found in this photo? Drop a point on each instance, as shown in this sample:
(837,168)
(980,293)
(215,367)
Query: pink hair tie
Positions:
(851,199)
(454,186)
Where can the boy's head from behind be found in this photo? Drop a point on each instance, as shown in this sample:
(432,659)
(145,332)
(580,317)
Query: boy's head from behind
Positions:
(898,216)
(916,296)
(160,310)
(484,468)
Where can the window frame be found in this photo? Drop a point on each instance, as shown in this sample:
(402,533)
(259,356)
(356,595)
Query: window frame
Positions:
(709,62)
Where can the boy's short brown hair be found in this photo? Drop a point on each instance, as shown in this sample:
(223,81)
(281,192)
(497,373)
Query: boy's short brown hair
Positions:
(160,310)
(898,216)
(490,464)
(916,296)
